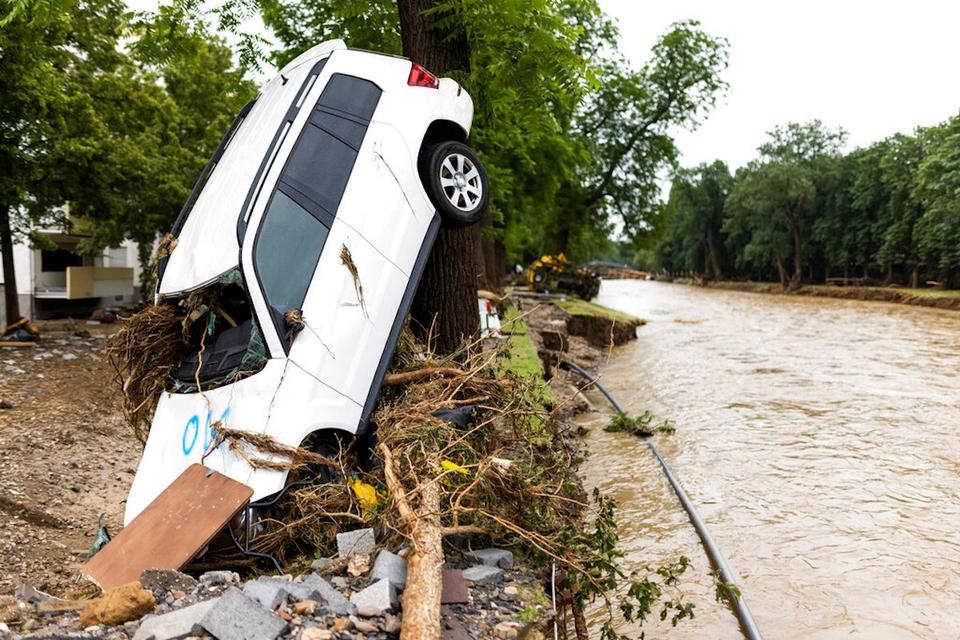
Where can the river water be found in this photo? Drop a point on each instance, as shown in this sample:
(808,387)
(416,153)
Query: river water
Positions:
(819,439)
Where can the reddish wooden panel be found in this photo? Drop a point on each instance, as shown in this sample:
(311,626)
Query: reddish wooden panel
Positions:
(172,529)
(454,588)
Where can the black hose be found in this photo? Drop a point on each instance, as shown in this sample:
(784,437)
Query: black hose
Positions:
(739,605)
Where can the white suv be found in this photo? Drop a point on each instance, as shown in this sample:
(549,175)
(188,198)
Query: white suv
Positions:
(321,202)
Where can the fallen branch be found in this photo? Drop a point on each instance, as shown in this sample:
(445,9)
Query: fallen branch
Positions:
(395,379)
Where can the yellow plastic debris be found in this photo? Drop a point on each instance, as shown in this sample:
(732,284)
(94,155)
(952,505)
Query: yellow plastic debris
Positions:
(366,494)
(453,466)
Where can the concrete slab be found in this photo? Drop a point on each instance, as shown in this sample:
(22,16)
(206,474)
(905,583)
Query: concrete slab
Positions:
(176,624)
(237,617)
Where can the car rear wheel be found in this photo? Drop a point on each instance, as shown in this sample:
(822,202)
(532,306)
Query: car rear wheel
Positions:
(456,182)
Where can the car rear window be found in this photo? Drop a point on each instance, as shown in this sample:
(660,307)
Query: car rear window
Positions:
(350,95)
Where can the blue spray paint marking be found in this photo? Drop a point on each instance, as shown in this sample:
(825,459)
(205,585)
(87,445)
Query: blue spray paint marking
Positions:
(192,430)
(209,434)
(194,422)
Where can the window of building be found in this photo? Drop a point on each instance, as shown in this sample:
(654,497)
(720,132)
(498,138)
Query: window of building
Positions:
(59,260)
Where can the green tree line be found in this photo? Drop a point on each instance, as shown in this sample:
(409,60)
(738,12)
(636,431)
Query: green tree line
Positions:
(804,211)
(122,109)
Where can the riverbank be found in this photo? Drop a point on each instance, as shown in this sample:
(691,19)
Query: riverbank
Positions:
(937,298)
(65,384)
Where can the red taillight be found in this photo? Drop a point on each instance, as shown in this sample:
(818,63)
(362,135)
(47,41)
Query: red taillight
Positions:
(420,77)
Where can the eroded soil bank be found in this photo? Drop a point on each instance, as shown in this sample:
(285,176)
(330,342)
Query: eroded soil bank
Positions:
(935,298)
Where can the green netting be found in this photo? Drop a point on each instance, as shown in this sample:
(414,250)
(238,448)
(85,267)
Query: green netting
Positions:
(256,355)
(232,276)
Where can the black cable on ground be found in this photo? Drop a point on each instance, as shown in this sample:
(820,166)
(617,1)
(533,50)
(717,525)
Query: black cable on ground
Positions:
(740,608)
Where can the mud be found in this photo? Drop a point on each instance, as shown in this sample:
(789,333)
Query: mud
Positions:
(66,455)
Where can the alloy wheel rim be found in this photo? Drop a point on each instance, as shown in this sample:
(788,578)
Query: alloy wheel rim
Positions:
(460,182)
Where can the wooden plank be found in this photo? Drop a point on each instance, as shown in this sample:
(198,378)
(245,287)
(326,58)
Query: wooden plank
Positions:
(172,529)
(12,343)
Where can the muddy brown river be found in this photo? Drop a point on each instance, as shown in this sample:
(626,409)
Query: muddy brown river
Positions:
(819,439)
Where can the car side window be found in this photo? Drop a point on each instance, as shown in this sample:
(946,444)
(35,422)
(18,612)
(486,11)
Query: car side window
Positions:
(308,193)
(351,96)
(287,251)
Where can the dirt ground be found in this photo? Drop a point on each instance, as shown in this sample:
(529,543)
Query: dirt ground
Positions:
(66,454)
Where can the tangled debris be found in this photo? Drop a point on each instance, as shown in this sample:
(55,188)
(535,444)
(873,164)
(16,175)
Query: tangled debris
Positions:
(507,477)
(346,258)
(252,446)
(144,353)
(163,346)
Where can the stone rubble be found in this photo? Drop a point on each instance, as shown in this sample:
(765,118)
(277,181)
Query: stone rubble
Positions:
(352,543)
(390,566)
(218,605)
(492,557)
(483,574)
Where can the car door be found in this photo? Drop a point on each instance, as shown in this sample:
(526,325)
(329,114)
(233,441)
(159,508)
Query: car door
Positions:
(311,262)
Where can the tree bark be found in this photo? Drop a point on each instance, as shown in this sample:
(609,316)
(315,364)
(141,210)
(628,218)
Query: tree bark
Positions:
(494,262)
(11,298)
(445,307)
(915,277)
(446,301)
(421,598)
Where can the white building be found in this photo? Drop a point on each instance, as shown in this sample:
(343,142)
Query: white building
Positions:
(60,282)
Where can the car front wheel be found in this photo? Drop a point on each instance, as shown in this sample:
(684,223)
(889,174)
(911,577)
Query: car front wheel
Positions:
(456,182)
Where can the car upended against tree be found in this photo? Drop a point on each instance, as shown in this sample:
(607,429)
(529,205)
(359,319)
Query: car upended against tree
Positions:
(306,235)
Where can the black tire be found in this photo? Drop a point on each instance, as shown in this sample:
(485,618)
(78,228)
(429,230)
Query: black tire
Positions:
(452,175)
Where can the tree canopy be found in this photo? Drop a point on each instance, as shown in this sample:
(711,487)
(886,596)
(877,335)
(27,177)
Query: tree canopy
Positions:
(803,210)
(573,137)
(92,131)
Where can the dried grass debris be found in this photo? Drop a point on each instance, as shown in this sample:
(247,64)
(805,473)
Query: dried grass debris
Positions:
(143,353)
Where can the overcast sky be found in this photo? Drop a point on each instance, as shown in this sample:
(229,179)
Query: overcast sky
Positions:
(874,68)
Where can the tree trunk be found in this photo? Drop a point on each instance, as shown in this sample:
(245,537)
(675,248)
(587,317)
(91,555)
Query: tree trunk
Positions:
(915,277)
(446,301)
(11,298)
(712,257)
(494,262)
(421,597)
(797,261)
(782,273)
(447,298)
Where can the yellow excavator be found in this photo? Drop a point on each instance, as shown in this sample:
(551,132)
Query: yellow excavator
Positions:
(556,274)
